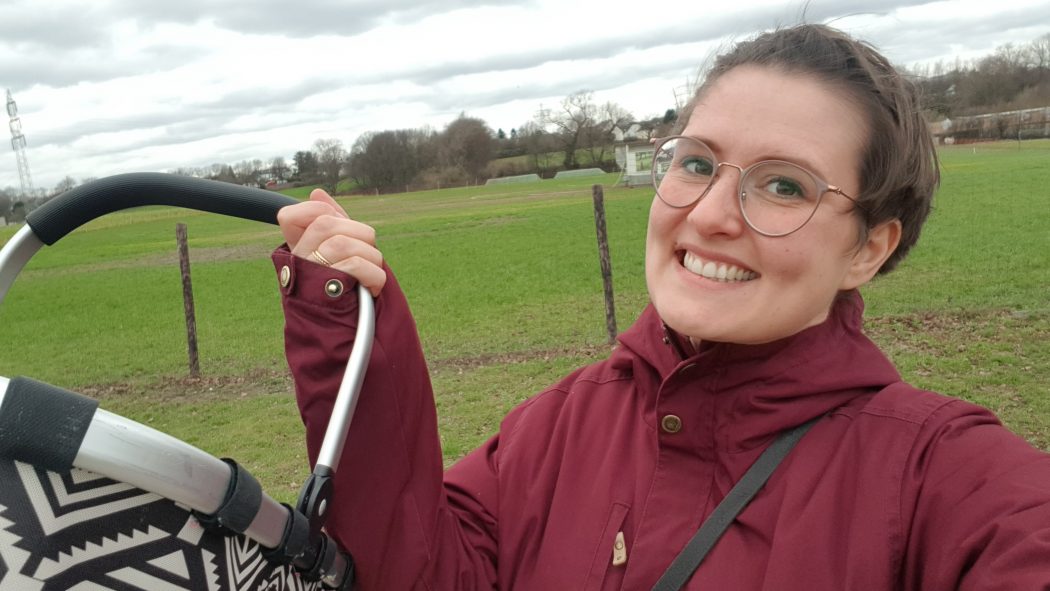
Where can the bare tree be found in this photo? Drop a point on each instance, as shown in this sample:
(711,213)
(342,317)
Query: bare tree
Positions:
(1039,57)
(331,157)
(278,168)
(538,144)
(64,185)
(599,136)
(246,172)
(221,172)
(571,123)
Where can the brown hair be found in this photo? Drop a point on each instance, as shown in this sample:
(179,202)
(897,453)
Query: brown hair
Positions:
(898,168)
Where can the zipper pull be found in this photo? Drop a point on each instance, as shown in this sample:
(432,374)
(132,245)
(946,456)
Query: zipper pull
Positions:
(619,557)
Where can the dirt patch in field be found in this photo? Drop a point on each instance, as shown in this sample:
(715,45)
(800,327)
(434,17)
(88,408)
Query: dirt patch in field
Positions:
(173,390)
(474,362)
(208,254)
(957,332)
(456,226)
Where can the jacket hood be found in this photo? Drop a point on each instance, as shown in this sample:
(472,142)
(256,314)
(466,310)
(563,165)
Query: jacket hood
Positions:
(775,385)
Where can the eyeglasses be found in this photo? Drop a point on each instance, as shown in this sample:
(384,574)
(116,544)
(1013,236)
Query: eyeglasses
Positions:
(776,197)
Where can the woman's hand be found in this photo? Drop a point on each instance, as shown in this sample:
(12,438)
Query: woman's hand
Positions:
(321,231)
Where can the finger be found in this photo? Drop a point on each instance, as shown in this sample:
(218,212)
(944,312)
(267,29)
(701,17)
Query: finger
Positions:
(341,247)
(325,227)
(322,196)
(295,219)
(368,274)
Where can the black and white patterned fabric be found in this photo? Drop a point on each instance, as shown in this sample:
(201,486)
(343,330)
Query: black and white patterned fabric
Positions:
(80,531)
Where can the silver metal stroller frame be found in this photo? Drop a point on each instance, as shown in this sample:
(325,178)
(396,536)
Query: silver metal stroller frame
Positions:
(61,446)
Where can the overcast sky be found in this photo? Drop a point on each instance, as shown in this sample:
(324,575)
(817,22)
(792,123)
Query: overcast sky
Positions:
(104,87)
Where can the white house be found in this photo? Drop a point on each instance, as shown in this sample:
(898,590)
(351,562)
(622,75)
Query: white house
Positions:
(635,160)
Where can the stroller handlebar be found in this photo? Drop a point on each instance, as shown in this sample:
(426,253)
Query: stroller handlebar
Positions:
(80,205)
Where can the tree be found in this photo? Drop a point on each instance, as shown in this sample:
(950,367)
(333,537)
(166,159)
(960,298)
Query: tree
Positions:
(538,144)
(246,172)
(278,169)
(467,145)
(64,185)
(509,145)
(331,157)
(306,167)
(1039,52)
(18,211)
(390,160)
(6,198)
(599,136)
(571,122)
(222,172)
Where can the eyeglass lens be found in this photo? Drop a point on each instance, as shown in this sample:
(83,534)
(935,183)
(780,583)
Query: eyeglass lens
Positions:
(776,197)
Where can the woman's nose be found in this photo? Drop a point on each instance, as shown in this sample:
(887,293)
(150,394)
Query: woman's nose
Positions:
(718,211)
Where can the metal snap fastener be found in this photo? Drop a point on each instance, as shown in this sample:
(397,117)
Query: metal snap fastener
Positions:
(334,288)
(286,276)
(671,424)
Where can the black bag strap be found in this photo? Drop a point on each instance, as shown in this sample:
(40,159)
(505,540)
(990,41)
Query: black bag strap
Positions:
(718,522)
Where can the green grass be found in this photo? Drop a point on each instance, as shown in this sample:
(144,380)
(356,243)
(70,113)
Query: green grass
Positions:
(505,285)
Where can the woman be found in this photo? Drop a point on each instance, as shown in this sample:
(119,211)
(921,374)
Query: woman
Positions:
(801,169)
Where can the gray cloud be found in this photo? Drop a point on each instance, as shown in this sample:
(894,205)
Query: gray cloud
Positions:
(940,37)
(293,19)
(737,23)
(23,67)
(47,26)
(58,46)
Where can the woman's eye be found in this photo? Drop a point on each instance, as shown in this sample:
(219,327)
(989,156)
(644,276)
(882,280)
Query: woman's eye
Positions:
(784,187)
(698,165)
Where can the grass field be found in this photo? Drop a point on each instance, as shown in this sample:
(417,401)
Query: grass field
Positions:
(505,286)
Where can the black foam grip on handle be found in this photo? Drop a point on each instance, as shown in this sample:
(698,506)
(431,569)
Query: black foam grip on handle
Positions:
(43,424)
(76,207)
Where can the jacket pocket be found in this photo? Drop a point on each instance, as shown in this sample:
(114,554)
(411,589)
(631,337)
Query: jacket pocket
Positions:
(602,562)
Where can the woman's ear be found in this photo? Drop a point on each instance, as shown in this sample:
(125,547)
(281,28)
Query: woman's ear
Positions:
(882,241)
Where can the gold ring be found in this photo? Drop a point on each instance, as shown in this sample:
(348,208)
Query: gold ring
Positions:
(320,259)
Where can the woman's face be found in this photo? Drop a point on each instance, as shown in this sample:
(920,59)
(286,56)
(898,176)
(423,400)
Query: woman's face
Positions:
(783,284)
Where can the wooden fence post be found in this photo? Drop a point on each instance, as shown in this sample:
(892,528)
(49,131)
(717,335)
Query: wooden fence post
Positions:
(603,255)
(187,300)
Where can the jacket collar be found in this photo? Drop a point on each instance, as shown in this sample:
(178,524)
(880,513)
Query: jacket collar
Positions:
(775,385)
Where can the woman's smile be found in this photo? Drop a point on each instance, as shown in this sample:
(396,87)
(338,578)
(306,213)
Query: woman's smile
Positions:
(718,271)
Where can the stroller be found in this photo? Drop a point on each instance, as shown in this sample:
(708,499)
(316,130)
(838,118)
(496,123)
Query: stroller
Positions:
(93,501)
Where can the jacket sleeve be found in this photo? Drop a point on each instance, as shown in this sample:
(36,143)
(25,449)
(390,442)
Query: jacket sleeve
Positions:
(391,509)
(981,518)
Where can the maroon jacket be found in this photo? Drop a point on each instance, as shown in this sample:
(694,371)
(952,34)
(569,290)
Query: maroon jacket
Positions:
(895,488)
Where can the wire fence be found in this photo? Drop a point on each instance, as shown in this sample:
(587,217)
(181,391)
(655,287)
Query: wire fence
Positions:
(1022,124)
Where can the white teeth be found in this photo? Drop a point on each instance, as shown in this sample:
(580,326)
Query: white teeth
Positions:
(716,271)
